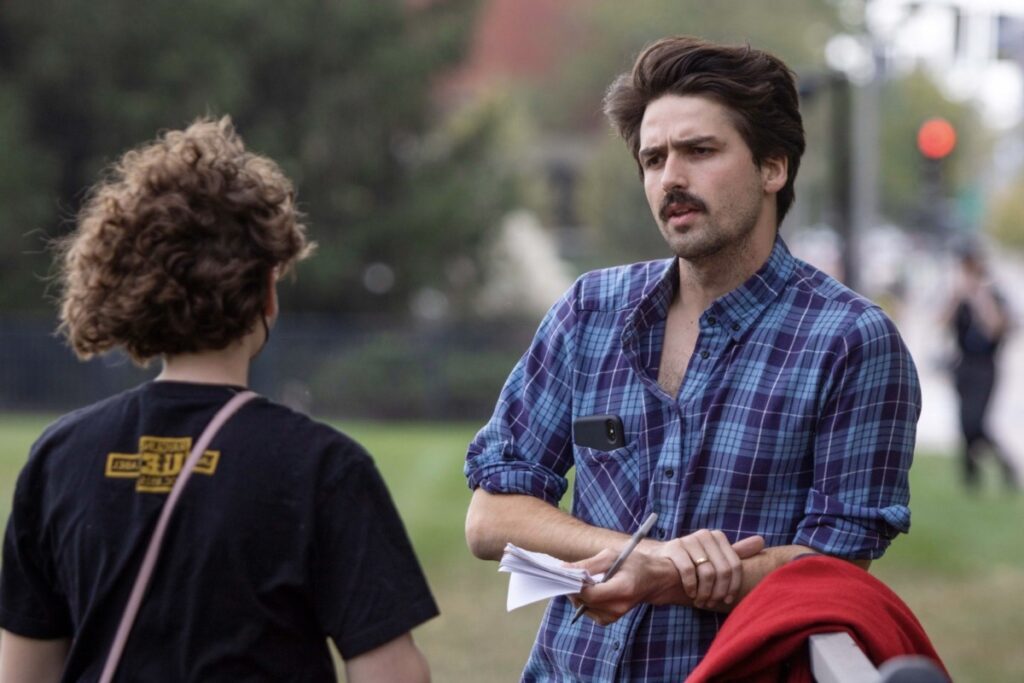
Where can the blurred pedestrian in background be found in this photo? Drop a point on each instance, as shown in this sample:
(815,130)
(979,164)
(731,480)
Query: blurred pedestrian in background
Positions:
(285,537)
(980,320)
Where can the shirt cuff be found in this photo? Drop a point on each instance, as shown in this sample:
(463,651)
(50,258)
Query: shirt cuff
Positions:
(498,470)
(850,531)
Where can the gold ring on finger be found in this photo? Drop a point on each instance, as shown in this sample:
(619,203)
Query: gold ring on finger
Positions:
(699,561)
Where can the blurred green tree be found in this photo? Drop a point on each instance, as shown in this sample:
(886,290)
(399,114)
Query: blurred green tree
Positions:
(23,208)
(342,94)
(1006,216)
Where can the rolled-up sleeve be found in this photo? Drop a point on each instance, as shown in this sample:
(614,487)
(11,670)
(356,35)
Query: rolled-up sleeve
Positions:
(864,444)
(526,446)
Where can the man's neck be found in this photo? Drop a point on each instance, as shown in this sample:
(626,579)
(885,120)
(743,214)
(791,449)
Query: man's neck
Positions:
(703,281)
(226,366)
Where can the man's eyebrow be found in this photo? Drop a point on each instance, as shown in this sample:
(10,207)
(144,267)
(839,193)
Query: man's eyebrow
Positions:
(695,141)
(648,151)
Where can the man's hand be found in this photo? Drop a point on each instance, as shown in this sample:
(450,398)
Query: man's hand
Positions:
(700,570)
(711,568)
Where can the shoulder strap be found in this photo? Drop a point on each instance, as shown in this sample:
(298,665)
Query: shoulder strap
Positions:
(156,540)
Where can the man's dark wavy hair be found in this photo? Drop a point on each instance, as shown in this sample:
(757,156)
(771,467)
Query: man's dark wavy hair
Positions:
(757,89)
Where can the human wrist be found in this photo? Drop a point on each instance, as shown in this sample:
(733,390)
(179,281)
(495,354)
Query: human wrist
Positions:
(649,546)
(666,577)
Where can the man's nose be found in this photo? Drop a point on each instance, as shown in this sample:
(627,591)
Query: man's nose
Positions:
(673,174)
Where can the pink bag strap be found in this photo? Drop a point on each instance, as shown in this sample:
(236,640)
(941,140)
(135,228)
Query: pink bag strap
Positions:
(156,540)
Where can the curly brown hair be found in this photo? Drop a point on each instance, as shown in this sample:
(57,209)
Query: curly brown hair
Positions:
(174,247)
(757,88)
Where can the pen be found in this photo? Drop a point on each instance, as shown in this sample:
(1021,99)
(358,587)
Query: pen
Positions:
(634,541)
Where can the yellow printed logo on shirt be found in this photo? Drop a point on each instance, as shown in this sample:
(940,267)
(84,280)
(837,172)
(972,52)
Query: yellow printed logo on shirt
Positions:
(158,462)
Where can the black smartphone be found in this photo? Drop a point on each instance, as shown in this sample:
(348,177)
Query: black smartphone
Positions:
(600,432)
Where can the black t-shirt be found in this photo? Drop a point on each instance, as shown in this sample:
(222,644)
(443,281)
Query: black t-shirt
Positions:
(284,536)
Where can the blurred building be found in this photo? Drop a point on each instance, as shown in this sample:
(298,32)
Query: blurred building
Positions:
(517,39)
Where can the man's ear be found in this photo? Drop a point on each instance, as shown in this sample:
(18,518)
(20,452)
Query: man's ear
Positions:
(774,174)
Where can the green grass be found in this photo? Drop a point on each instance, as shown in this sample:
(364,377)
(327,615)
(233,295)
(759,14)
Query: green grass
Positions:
(17,432)
(961,569)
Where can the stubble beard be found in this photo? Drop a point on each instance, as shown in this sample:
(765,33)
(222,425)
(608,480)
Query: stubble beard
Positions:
(696,244)
(706,239)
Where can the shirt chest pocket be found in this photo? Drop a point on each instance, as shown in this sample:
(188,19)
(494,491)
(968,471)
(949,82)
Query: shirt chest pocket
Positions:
(607,489)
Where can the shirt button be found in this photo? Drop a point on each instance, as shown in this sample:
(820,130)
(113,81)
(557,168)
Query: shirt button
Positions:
(669,472)
(704,355)
(712,320)
(735,327)
(615,645)
(661,532)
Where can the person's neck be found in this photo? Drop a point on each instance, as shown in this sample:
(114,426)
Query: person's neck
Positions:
(705,280)
(226,366)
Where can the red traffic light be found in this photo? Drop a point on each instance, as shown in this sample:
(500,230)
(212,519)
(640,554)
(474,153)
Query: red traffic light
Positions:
(936,138)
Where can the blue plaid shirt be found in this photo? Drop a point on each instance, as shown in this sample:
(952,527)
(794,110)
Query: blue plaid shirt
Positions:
(795,420)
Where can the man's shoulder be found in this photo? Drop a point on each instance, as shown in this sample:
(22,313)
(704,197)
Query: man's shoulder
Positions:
(809,279)
(835,306)
(620,287)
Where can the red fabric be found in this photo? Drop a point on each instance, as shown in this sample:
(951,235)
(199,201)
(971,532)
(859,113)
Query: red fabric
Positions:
(768,630)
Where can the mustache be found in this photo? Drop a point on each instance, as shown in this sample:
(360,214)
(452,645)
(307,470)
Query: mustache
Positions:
(677,196)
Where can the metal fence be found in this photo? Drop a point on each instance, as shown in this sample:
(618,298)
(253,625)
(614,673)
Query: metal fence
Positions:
(328,366)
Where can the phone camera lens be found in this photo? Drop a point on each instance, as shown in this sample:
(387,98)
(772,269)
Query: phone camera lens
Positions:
(609,427)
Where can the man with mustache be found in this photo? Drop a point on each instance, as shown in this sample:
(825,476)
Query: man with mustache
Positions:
(766,410)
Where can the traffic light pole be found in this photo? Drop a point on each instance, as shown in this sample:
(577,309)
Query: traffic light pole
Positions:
(842,178)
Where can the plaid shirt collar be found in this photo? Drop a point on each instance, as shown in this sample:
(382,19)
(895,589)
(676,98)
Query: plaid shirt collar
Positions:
(736,310)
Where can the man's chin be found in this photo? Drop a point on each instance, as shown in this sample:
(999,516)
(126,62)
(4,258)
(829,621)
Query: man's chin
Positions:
(694,250)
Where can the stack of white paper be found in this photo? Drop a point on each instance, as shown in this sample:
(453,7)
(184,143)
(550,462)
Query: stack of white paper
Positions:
(536,576)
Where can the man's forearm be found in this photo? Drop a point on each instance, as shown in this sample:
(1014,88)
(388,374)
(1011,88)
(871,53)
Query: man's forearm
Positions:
(496,519)
(759,566)
(656,576)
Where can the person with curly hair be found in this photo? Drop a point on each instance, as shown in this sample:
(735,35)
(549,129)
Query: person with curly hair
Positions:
(286,536)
